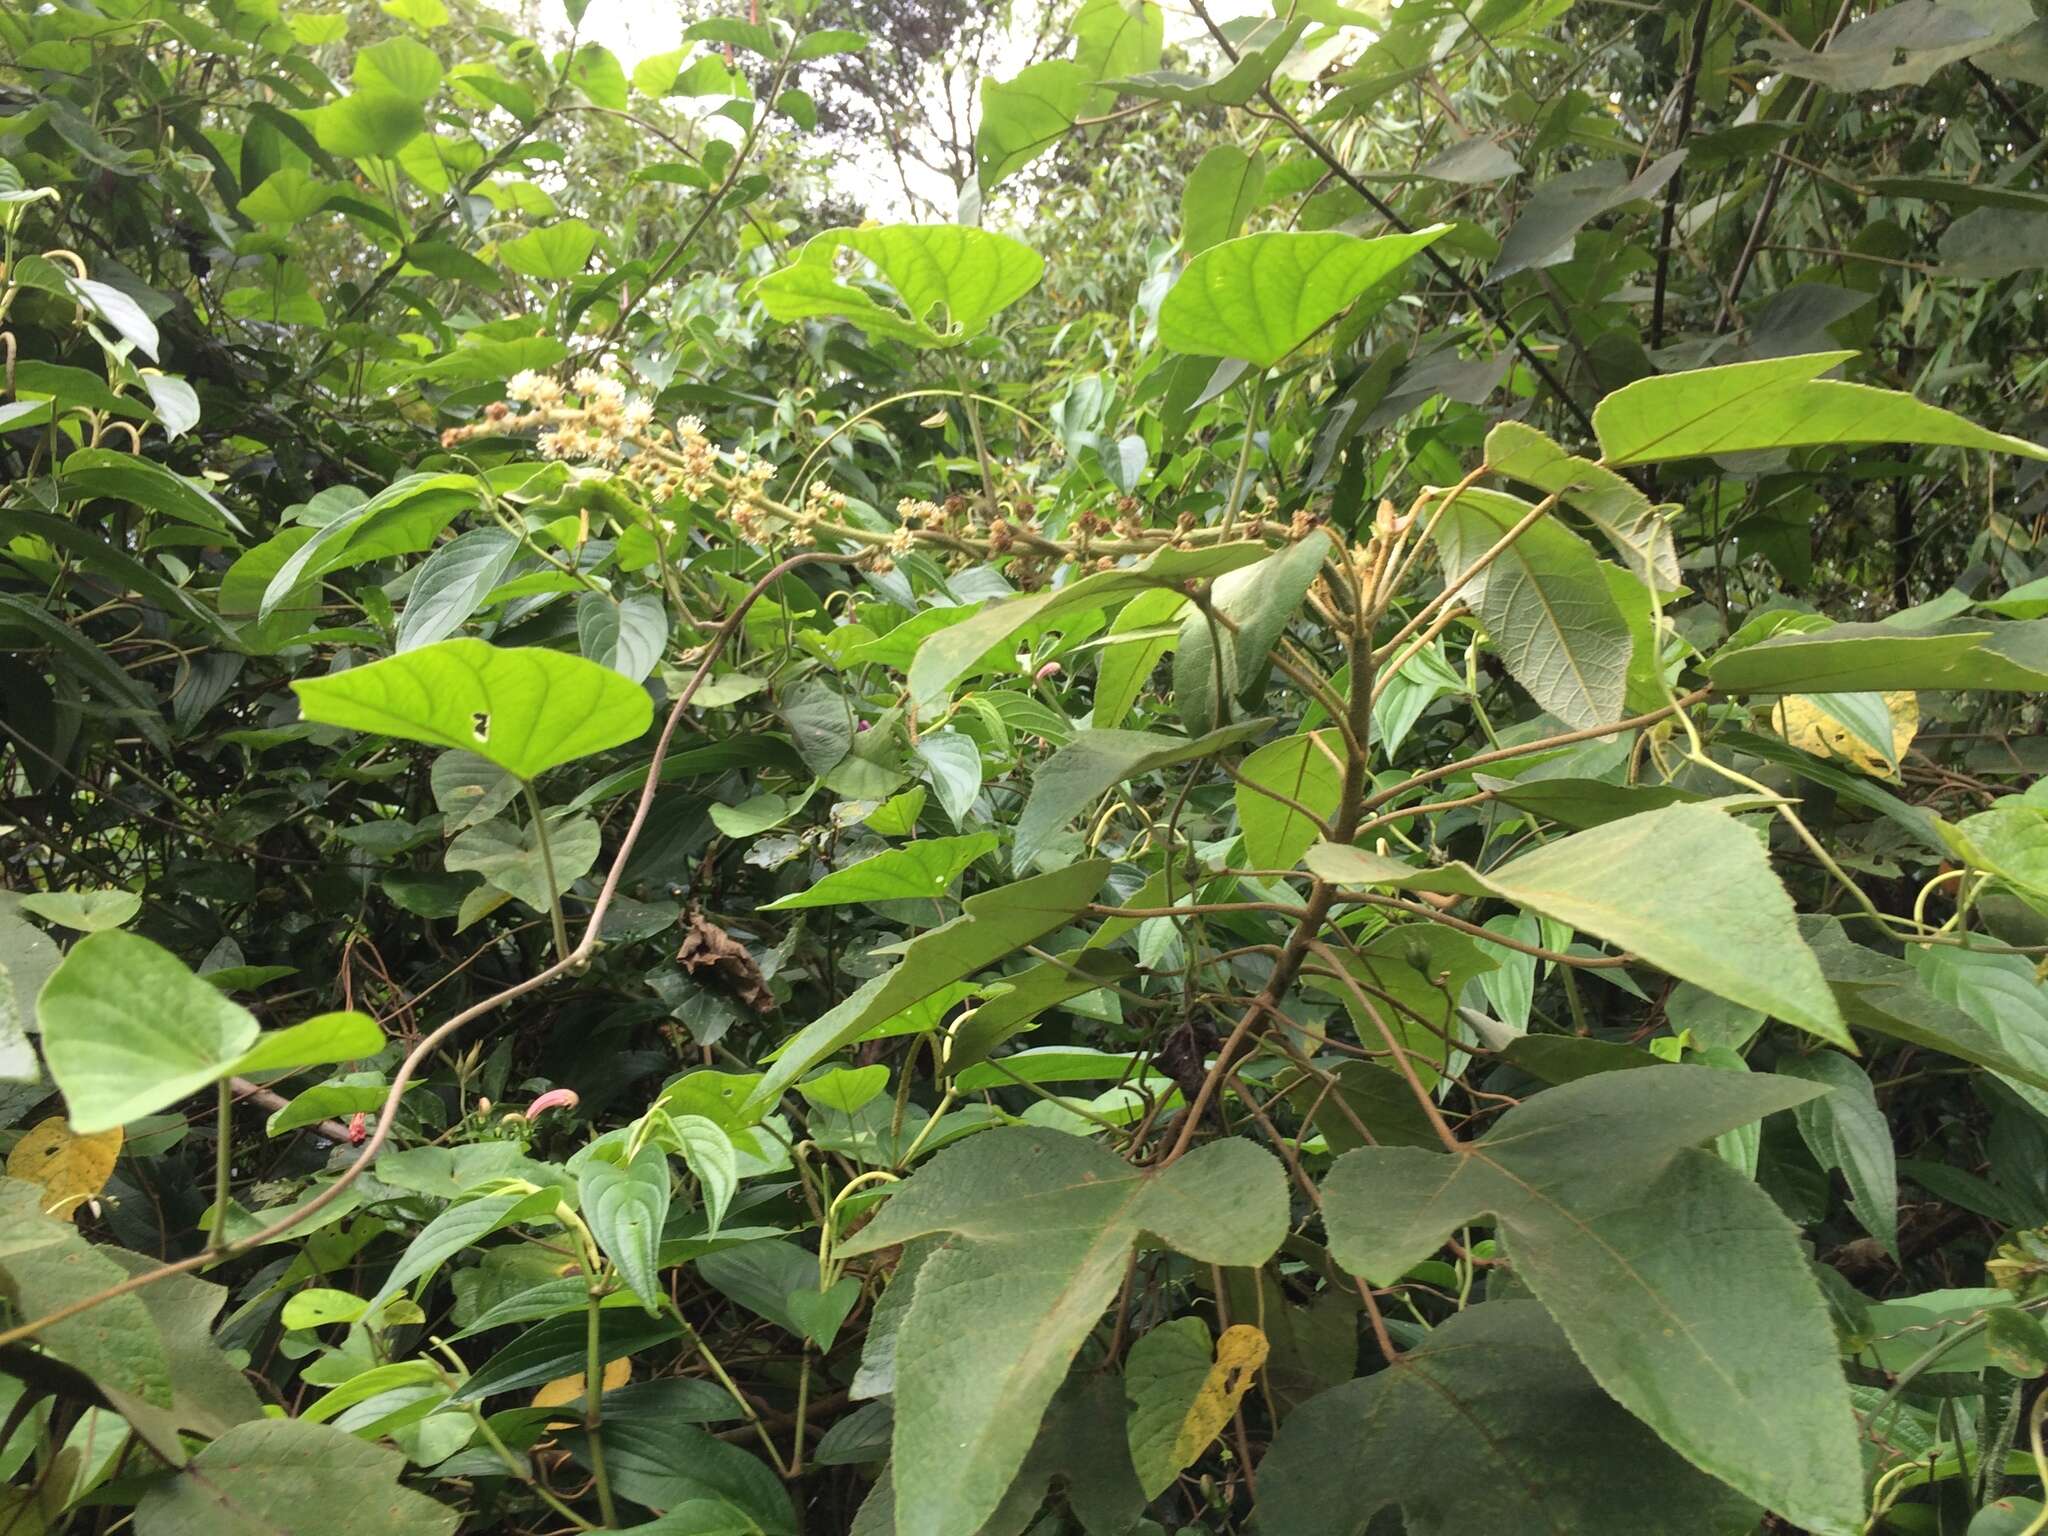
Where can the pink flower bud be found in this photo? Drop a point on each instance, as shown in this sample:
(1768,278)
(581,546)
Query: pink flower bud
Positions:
(1050,669)
(554,1098)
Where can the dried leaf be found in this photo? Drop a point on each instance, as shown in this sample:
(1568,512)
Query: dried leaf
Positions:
(567,1391)
(1239,1354)
(716,958)
(1820,723)
(72,1169)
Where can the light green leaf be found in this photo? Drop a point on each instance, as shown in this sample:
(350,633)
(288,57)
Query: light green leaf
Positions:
(459,1227)
(1151,620)
(969,274)
(1677,1280)
(1637,530)
(554,254)
(1023,117)
(1258,601)
(1490,1424)
(1259,297)
(1070,782)
(287,1477)
(527,710)
(1878,658)
(980,641)
(1307,769)
(626,634)
(921,869)
(452,584)
(1845,1129)
(1220,195)
(128,1030)
(399,65)
(287,197)
(320,1041)
(1722,920)
(991,925)
(404,517)
(1259,54)
(1778,403)
(844,1088)
(84,911)
(1050,1219)
(509,856)
(952,762)
(369,124)
(707,1150)
(327,1101)
(1545,604)
(625,1208)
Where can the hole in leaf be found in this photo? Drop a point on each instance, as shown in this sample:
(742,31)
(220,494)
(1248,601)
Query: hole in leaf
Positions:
(480,722)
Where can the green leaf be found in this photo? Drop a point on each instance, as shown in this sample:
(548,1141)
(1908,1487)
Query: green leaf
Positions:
(1023,117)
(625,1208)
(1637,530)
(656,1461)
(1163,1376)
(1778,403)
(952,762)
(128,1030)
(982,640)
(1544,233)
(527,710)
(368,124)
(287,197)
(733,33)
(1846,1130)
(1308,770)
(97,472)
(1259,297)
(1049,1220)
(1118,37)
(1152,621)
(923,869)
(1545,604)
(990,926)
(707,1150)
(1676,1279)
(399,65)
(825,44)
(287,1477)
(1878,658)
(510,857)
(83,911)
(626,634)
(554,254)
(1259,55)
(401,519)
(452,583)
(1490,1424)
(968,274)
(320,1041)
(844,1089)
(1723,921)
(460,1227)
(558,1348)
(1258,601)
(1070,782)
(1221,193)
(327,1101)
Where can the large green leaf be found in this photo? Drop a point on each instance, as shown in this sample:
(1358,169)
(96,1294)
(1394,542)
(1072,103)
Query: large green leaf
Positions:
(287,1477)
(1490,1424)
(923,869)
(128,1030)
(1307,770)
(1717,916)
(1046,1221)
(970,274)
(1256,604)
(526,710)
(991,925)
(1259,297)
(1221,193)
(403,518)
(979,641)
(1637,530)
(1880,658)
(553,254)
(625,1207)
(1677,1280)
(1069,783)
(1023,117)
(1545,604)
(1781,402)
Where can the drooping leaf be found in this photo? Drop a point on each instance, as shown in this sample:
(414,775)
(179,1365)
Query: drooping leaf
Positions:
(452,584)
(128,1030)
(1490,1424)
(625,1208)
(287,1477)
(1050,1219)
(991,925)
(1781,402)
(510,856)
(1073,779)
(1023,117)
(1677,1280)
(1260,296)
(527,710)
(1545,604)
(1727,924)
(1637,530)
(1845,1130)
(1227,659)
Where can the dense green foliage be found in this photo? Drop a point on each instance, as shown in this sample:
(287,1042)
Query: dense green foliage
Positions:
(1292,786)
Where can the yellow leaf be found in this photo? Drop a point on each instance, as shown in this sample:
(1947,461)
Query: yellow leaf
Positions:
(567,1391)
(1239,1354)
(1806,721)
(72,1169)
